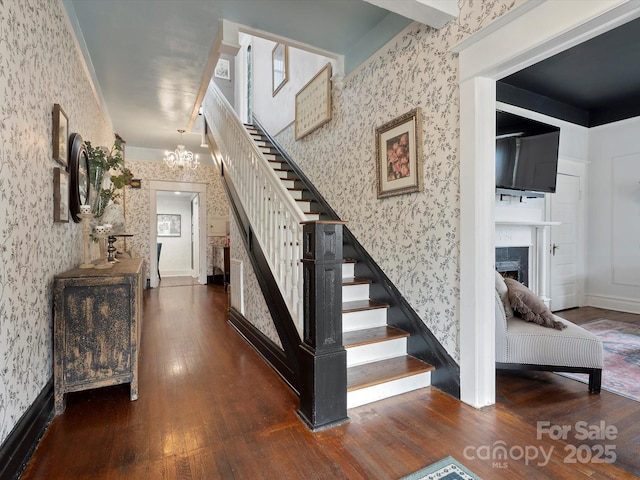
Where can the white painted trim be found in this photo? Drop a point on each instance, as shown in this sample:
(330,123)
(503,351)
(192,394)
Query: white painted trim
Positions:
(158,185)
(435,13)
(610,302)
(547,29)
(477,242)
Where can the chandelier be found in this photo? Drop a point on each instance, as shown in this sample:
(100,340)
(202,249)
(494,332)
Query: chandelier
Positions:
(180,157)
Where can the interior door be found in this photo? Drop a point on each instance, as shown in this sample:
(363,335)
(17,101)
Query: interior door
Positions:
(565,208)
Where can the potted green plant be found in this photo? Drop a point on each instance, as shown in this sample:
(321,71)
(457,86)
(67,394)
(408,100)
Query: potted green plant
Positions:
(106,166)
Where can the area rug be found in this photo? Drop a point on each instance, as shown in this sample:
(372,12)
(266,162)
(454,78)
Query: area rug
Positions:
(621,345)
(446,469)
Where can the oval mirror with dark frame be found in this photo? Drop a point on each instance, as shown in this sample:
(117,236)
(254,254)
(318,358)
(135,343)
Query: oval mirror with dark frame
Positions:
(79,173)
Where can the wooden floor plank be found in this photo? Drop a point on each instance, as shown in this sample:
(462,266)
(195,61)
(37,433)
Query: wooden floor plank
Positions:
(211,408)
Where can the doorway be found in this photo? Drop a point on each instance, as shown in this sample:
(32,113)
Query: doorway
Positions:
(543,28)
(178,244)
(187,244)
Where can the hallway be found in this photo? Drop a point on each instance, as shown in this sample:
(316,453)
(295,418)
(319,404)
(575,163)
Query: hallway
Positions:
(210,407)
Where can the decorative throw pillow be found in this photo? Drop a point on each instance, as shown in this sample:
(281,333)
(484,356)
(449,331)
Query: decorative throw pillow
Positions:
(529,306)
(502,290)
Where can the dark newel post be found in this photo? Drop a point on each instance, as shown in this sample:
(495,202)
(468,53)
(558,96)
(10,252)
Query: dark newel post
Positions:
(323,360)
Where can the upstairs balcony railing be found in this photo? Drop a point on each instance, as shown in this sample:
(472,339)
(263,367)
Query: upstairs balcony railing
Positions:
(274,215)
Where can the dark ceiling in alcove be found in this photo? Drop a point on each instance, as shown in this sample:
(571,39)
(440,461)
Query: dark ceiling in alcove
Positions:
(591,84)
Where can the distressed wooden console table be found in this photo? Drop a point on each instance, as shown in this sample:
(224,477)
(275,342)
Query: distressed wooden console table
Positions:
(97,326)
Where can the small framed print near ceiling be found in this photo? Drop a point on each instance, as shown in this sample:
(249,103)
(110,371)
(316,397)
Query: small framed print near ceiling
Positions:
(279,66)
(223,69)
(398,155)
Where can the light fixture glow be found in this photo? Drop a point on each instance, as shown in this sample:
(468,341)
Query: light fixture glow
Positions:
(181,157)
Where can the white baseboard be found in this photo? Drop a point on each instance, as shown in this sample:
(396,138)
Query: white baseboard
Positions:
(176,273)
(620,304)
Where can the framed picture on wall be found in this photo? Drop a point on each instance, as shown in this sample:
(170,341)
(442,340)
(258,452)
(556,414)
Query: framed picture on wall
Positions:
(398,155)
(60,195)
(60,135)
(223,69)
(313,103)
(280,67)
(169,225)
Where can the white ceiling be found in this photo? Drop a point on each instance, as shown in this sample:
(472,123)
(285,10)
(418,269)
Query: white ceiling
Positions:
(148,57)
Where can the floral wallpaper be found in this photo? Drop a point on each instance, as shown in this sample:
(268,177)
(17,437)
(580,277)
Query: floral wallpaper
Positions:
(137,204)
(255,306)
(39,66)
(414,237)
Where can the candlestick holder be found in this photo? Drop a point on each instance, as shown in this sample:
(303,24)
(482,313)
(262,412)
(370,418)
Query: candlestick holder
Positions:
(86,234)
(101,233)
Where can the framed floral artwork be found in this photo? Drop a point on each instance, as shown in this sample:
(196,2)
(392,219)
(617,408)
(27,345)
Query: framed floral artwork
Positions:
(60,135)
(398,155)
(280,67)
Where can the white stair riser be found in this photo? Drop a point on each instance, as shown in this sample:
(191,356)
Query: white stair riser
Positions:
(282,174)
(265,149)
(288,183)
(376,351)
(351,293)
(364,319)
(275,165)
(296,194)
(386,390)
(312,216)
(348,270)
(304,205)
(270,156)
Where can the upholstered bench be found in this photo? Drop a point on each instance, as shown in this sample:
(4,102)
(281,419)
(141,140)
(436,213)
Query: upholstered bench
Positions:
(526,345)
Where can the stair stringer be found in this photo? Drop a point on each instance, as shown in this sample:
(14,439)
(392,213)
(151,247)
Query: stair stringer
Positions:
(421,344)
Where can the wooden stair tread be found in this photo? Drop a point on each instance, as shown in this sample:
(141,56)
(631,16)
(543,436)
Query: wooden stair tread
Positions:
(349,260)
(359,305)
(371,374)
(368,336)
(355,281)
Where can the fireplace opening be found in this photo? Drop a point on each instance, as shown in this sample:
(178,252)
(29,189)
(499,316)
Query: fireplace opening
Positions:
(513,262)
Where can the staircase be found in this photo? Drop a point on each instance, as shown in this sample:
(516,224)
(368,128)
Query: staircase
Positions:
(378,365)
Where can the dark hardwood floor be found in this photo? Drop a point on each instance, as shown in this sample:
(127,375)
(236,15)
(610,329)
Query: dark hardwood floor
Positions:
(210,407)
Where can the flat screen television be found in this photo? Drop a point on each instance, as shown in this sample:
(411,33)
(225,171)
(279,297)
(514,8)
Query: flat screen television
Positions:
(526,154)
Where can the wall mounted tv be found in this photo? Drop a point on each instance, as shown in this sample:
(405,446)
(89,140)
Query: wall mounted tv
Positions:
(526,154)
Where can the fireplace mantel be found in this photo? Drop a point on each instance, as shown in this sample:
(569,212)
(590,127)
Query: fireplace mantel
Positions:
(533,234)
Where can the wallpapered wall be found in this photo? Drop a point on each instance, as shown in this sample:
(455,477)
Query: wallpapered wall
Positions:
(137,204)
(415,237)
(255,306)
(39,66)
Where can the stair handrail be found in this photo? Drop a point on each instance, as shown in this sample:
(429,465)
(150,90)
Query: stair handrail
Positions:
(274,215)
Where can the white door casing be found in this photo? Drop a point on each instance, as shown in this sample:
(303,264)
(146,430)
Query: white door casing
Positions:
(156,186)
